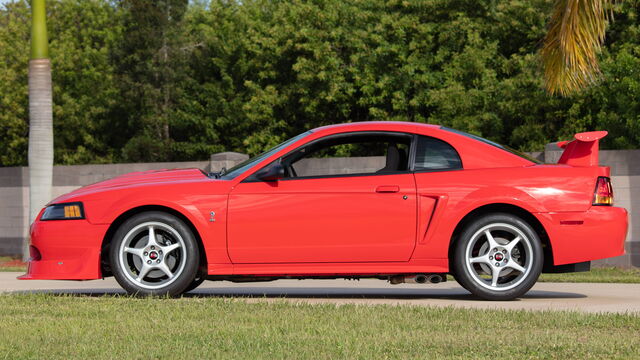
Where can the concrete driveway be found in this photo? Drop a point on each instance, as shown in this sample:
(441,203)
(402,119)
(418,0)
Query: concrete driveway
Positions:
(620,298)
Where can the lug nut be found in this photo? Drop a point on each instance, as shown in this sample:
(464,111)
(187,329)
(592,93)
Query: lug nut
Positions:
(146,253)
(490,257)
(506,261)
(148,261)
(497,264)
(153,248)
(504,251)
(158,261)
(160,252)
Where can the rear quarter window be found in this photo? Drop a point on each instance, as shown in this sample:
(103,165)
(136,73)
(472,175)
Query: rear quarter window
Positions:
(501,147)
(435,154)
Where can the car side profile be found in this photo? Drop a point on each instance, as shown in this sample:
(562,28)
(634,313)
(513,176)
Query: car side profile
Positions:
(403,202)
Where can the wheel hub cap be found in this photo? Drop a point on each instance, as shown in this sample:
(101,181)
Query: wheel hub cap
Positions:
(499,256)
(160,259)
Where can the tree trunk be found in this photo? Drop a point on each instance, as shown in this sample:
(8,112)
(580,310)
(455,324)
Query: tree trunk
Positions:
(40,139)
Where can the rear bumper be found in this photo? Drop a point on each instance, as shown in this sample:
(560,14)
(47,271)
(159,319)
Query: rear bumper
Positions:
(595,234)
(68,250)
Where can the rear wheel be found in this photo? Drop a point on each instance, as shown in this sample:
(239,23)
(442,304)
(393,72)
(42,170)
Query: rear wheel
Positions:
(154,253)
(498,257)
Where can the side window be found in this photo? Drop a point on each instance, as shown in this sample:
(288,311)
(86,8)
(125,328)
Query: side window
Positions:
(350,154)
(434,154)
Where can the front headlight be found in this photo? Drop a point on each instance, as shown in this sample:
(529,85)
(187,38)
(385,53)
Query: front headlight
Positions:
(65,211)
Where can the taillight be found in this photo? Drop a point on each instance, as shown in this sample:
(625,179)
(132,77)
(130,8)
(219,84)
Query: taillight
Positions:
(604,192)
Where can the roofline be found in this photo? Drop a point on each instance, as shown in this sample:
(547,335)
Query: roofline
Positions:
(366,123)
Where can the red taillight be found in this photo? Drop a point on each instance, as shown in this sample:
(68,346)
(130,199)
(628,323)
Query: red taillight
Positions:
(604,192)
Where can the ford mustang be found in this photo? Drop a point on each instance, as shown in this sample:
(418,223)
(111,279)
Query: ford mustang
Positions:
(402,202)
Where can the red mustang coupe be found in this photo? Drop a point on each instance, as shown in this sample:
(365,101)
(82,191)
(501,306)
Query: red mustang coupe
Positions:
(403,202)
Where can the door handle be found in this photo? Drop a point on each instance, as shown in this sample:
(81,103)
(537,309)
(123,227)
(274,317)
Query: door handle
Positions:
(388,189)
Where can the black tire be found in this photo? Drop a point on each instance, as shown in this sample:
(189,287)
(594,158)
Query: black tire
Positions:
(167,266)
(200,278)
(513,266)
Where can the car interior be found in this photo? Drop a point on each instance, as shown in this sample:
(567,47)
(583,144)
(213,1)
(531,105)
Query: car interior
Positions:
(350,154)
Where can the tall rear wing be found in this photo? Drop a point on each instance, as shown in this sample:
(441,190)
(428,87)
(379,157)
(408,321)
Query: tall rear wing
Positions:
(583,151)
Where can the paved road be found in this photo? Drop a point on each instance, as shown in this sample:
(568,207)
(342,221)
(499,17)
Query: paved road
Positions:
(621,298)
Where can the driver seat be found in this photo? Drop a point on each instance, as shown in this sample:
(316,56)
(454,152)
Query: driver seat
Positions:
(396,160)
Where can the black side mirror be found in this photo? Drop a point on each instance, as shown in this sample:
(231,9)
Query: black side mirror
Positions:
(272,172)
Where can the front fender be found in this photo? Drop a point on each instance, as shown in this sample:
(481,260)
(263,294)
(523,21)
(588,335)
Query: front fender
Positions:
(196,209)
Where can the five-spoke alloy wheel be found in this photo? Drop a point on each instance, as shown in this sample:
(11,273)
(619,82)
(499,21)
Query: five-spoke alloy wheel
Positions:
(498,257)
(154,253)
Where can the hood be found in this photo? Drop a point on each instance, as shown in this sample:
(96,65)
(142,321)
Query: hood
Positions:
(150,177)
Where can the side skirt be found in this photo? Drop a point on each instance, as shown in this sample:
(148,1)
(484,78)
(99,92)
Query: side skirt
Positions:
(332,269)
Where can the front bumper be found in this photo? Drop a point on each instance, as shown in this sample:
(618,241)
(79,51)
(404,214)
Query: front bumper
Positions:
(595,234)
(69,250)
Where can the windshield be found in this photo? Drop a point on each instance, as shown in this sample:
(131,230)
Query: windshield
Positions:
(503,147)
(248,164)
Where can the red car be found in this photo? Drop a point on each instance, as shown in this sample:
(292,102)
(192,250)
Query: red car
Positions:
(403,202)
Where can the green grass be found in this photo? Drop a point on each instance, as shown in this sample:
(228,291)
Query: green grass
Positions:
(4,260)
(60,327)
(597,275)
(13,269)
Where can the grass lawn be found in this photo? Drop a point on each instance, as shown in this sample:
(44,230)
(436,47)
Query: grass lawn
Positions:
(60,327)
(597,275)
(11,264)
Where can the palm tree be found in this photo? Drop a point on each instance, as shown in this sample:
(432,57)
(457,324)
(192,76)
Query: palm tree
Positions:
(40,116)
(575,37)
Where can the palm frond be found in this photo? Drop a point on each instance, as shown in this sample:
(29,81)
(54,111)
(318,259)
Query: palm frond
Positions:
(575,37)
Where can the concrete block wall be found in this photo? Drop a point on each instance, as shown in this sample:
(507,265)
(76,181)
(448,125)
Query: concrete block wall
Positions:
(14,194)
(625,177)
(14,211)
(339,166)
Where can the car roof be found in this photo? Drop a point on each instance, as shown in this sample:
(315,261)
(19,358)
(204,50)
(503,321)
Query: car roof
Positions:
(374,125)
(474,153)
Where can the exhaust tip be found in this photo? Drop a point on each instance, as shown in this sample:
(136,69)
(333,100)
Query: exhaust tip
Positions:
(416,279)
(421,279)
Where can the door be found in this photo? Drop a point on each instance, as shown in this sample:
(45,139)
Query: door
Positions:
(348,198)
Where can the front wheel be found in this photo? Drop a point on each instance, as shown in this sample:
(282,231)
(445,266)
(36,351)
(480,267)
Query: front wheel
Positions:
(498,257)
(200,278)
(154,253)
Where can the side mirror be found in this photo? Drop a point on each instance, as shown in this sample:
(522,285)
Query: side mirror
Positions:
(272,172)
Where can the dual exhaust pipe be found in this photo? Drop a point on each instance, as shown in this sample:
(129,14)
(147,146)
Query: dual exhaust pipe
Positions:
(416,279)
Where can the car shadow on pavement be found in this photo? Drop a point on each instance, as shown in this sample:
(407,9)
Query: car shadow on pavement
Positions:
(363,293)
(318,293)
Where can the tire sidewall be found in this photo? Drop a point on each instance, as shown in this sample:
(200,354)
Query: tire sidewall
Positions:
(466,279)
(200,278)
(191,251)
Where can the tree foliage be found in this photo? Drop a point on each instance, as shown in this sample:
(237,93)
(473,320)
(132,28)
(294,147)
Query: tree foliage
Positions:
(143,80)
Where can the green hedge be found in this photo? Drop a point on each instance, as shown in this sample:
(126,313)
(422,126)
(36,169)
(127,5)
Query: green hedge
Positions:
(168,81)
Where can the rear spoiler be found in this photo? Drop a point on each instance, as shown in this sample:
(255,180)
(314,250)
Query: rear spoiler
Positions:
(583,151)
